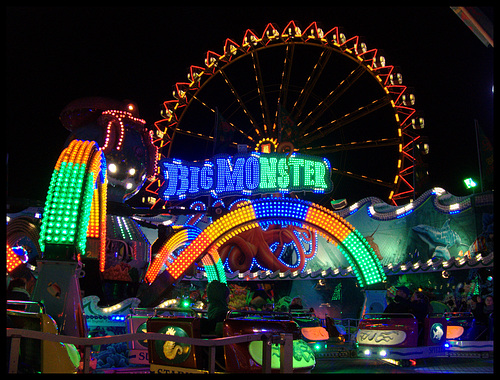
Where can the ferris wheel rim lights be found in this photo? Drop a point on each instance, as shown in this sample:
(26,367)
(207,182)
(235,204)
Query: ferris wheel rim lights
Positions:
(388,77)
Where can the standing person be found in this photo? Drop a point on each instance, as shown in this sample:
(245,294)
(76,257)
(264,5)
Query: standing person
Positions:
(217,296)
(488,312)
(401,302)
(476,307)
(487,309)
(420,308)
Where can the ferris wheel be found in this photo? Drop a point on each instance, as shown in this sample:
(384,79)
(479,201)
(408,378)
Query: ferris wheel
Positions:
(306,91)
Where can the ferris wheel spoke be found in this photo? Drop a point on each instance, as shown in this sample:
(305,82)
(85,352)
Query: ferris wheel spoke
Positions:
(333,125)
(325,104)
(262,94)
(306,91)
(192,134)
(285,82)
(214,112)
(353,145)
(242,104)
(304,96)
(362,177)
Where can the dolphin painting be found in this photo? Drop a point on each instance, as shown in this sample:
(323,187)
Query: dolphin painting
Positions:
(438,239)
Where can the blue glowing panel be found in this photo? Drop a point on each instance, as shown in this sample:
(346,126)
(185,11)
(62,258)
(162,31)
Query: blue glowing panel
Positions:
(244,174)
(280,210)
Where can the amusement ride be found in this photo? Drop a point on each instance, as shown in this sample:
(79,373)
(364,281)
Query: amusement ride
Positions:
(243,170)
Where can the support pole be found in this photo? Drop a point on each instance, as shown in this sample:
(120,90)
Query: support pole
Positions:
(478,155)
(266,355)
(15,344)
(211,359)
(286,353)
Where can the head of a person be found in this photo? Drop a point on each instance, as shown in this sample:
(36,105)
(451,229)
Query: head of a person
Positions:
(18,282)
(488,301)
(296,301)
(418,296)
(217,292)
(403,292)
(476,298)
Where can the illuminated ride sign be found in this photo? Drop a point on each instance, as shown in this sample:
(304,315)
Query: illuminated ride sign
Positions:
(247,174)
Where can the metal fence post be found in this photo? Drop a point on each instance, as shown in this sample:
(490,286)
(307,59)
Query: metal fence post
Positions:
(267,345)
(211,359)
(15,343)
(286,353)
(86,360)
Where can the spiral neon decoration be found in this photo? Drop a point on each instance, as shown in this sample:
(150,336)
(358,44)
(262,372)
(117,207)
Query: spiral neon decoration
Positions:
(252,214)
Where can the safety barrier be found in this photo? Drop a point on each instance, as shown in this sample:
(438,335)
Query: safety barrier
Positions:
(284,340)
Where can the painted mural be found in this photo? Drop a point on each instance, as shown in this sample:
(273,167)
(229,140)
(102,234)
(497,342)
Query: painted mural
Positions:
(436,225)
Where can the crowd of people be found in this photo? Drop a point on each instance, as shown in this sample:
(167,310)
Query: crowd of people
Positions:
(403,301)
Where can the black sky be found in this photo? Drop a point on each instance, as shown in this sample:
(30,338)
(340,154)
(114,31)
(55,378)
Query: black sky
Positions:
(57,54)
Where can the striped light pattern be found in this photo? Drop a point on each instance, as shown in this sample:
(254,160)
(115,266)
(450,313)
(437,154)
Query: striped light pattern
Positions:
(363,260)
(213,267)
(165,254)
(78,181)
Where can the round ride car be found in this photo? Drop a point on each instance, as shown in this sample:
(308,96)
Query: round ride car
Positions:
(397,338)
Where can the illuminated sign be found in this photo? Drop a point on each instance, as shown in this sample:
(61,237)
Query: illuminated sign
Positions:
(247,174)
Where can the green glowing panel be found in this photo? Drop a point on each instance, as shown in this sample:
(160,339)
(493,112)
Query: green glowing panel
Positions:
(216,272)
(303,355)
(364,258)
(67,210)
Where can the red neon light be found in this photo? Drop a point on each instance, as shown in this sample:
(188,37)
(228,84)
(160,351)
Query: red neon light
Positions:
(270,32)
(353,41)
(289,31)
(230,48)
(368,53)
(13,261)
(401,109)
(211,59)
(333,34)
(381,74)
(311,31)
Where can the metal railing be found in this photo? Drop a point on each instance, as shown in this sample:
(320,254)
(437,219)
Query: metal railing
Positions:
(284,340)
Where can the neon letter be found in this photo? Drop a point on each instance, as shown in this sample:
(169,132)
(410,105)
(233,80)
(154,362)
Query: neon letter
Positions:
(195,172)
(296,163)
(308,172)
(229,179)
(267,172)
(319,175)
(170,175)
(183,177)
(206,180)
(284,177)
(252,170)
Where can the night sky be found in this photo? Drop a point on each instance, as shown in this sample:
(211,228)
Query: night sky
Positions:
(56,55)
